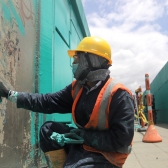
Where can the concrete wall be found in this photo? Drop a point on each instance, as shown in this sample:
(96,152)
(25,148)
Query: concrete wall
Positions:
(18,48)
(35,36)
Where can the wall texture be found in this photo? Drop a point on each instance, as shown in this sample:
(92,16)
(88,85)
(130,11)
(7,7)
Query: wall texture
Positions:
(159,87)
(18,34)
(35,36)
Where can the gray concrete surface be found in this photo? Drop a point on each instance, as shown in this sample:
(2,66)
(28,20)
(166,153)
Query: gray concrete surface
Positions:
(149,155)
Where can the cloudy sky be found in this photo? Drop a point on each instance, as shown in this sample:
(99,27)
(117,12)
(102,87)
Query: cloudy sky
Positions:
(137,31)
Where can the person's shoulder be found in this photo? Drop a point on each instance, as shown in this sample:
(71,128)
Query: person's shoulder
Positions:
(121,94)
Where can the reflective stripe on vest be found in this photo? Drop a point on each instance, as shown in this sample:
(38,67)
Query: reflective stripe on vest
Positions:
(99,117)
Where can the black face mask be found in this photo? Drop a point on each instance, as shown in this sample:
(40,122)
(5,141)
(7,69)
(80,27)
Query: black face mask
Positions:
(89,62)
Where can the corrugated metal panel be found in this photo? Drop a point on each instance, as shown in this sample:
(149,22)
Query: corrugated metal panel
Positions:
(75,26)
(80,17)
(62,18)
(61,76)
(159,87)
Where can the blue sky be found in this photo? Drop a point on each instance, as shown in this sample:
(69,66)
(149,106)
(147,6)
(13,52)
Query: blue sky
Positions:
(137,32)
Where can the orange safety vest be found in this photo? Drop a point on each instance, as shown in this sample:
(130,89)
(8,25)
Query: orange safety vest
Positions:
(99,117)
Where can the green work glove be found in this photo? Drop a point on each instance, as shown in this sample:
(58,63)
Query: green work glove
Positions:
(67,138)
(59,138)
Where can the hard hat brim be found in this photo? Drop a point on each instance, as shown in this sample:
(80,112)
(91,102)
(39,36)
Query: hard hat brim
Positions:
(71,53)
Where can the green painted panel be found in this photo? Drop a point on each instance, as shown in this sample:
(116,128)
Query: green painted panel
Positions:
(74,37)
(62,69)
(159,87)
(62,72)
(62,18)
(75,24)
(80,17)
(46,39)
(83,23)
(56,37)
(46,51)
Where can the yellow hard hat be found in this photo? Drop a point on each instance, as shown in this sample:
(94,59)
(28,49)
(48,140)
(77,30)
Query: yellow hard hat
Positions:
(94,45)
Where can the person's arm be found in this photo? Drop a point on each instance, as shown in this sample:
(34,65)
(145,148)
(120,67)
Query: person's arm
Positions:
(121,123)
(47,103)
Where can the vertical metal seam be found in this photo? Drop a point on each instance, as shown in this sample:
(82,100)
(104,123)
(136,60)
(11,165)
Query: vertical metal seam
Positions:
(36,148)
(53,46)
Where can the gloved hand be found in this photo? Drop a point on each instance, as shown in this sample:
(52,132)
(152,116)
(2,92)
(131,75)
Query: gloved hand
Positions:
(69,138)
(3,91)
(59,138)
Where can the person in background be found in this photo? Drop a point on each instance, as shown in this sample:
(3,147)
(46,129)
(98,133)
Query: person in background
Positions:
(102,109)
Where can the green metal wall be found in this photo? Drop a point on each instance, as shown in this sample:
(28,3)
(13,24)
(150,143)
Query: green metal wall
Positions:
(63,25)
(35,36)
(159,87)
(62,28)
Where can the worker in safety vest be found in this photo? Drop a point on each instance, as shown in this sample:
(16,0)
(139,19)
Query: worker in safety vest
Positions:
(102,109)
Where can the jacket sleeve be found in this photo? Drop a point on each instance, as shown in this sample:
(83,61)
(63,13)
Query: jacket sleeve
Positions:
(121,125)
(60,102)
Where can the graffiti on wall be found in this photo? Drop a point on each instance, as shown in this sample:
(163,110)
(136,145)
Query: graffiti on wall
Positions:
(26,12)
(15,16)
(13,21)
(18,27)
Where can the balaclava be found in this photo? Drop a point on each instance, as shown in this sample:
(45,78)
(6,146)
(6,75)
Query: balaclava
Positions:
(91,68)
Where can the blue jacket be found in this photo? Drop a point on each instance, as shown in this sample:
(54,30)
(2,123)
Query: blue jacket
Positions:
(121,117)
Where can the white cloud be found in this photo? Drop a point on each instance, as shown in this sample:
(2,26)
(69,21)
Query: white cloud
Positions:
(135,54)
(137,10)
(138,45)
(166,7)
(97,20)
